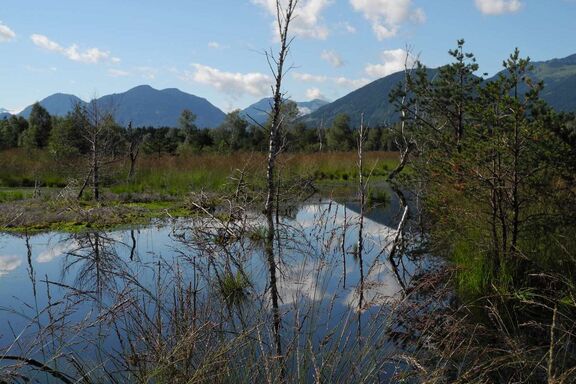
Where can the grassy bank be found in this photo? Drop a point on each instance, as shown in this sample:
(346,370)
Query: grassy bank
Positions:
(39,192)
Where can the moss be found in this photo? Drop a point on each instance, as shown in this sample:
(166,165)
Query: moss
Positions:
(35,216)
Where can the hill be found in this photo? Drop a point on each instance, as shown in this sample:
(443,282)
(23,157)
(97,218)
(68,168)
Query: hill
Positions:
(142,105)
(371,99)
(559,77)
(58,104)
(4,114)
(146,106)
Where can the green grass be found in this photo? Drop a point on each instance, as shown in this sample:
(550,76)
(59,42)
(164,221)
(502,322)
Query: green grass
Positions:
(233,288)
(471,277)
(178,175)
(7,195)
(163,186)
(377,196)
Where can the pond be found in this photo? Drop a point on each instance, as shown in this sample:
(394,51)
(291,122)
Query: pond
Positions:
(190,299)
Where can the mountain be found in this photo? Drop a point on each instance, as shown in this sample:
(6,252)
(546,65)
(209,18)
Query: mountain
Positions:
(307,107)
(4,114)
(58,104)
(146,106)
(259,111)
(559,77)
(371,99)
(143,106)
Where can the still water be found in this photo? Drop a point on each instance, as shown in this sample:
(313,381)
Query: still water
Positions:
(112,300)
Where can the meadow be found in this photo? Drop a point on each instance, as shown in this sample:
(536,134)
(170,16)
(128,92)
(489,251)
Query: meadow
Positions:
(43,190)
(177,175)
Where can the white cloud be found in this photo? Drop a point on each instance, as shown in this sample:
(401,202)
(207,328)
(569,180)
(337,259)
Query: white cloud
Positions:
(498,7)
(44,42)
(332,57)
(214,45)
(233,83)
(90,55)
(418,16)
(118,72)
(148,73)
(339,81)
(314,93)
(307,21)
(6,34)
(306,77)
(386,16)
(56,251)
(8,264)
(348,27)
(392,61)
(351,83)
(31,68)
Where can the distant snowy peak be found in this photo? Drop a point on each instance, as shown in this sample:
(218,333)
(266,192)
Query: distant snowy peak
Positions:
(259,111)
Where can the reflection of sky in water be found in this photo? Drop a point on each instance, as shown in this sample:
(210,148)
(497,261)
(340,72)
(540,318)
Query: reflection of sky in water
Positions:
(312,270)
(53,252)
(315,272)
(9,263)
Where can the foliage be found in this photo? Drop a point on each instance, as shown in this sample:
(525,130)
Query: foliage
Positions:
(339,136)
(494,168)
(491,163)
(38,132)
(10,131)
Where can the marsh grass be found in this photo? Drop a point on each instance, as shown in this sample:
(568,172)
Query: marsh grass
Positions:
(179,175)
(233,288)
(14,195)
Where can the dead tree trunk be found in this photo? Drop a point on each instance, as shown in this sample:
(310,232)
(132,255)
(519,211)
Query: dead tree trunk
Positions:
(95,169)
(284,17)
(362,192)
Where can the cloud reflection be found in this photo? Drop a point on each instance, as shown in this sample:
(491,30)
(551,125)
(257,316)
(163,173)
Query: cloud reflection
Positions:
(56,251)
(8,264)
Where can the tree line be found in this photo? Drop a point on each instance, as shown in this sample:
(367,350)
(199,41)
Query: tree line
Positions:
(66,136)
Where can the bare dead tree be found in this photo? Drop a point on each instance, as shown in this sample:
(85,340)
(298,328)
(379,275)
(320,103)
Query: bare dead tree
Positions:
(362,192)
(321,135)
(405,143)
(98,127)
(134,143)
(284,16)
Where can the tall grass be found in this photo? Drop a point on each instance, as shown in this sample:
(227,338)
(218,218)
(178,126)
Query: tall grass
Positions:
(178,175)
(21,168)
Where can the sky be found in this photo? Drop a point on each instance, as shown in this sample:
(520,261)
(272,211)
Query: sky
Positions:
(216,49)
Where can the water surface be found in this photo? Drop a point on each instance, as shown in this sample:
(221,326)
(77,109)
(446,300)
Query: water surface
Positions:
(95,295)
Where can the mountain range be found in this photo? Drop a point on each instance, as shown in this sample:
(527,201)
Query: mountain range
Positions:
(146,106)
(558,75)
(141,106)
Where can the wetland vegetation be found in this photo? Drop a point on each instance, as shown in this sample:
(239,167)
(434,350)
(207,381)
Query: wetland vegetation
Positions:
(281,253)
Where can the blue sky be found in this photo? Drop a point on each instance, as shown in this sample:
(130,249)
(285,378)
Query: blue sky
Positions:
(215,48)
